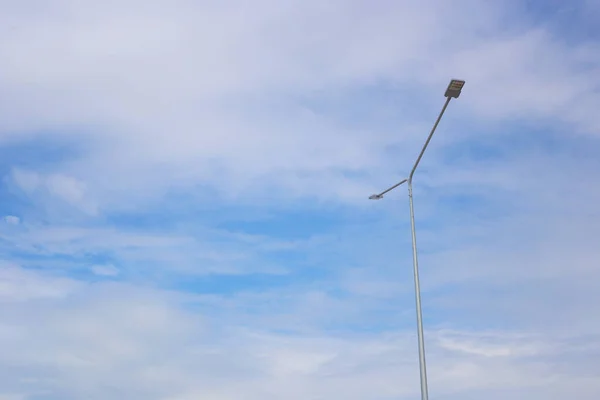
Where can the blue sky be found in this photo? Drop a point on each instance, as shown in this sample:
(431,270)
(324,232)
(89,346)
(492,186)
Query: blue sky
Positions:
(184,206)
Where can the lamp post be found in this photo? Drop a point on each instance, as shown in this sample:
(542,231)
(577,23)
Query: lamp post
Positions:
(453,91)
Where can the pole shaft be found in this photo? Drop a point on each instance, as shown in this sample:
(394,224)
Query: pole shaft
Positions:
(421,339)
(420,334)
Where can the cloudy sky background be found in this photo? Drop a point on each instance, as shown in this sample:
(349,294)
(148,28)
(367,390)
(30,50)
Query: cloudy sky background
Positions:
(184,199)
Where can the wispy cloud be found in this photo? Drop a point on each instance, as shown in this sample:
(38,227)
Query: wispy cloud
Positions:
(169,105)
(12,220)
(105,270)
(120,340)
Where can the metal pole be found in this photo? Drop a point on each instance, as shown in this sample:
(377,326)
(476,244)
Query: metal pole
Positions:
(422,362)
(453,91)
(437,121)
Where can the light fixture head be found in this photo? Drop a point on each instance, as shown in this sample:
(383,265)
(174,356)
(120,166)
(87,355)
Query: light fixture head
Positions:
(454,88)
(375,197)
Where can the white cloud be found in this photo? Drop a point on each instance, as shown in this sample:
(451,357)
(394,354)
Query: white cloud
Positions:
(105,270)
(4,396)
(17,284)
(125,340)
(187,93)
(494,344)
(200,252)
(26,180)
(12,220)
(66,188)
(60,186)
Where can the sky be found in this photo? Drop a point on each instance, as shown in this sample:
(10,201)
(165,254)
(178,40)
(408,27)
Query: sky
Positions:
(184,206)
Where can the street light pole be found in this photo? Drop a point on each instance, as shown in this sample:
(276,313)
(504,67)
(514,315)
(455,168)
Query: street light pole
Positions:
(422,363)
(453,91)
